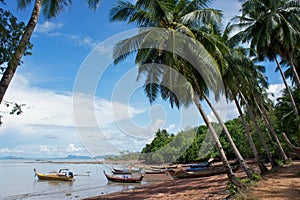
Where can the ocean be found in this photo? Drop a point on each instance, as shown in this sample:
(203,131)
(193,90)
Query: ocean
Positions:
(17,180)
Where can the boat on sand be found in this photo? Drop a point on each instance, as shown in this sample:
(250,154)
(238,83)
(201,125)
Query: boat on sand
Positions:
(124,179)
(204,172)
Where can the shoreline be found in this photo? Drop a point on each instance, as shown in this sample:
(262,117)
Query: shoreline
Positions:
(282,183)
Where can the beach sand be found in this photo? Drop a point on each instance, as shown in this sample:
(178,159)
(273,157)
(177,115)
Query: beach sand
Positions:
(284,183)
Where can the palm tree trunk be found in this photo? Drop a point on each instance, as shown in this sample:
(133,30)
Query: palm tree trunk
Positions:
(288,88)
(262,167)
(232,178)
(237,153)
(263,141)
(296,74)
(17,56)
(265,117)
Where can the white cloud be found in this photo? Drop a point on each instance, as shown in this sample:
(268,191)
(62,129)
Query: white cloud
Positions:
(44,149)
(170,127)
(7,150)
(47,27)
(158,124)
(275,91)
(81,41)
(52,29)
(72,148)
(47,121)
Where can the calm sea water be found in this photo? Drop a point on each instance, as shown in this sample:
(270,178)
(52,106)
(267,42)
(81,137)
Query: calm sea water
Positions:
(17,181)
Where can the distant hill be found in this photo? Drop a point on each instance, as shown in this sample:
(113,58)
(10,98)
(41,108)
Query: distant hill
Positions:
(87,157)
(67,157)
(11,157)
(77,157)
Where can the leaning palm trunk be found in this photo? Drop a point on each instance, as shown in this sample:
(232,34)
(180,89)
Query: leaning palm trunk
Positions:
(17,55)
(232,178)
(263,141)
(288,88)
(262,167)
(265,117)
(237,153)
(295,74)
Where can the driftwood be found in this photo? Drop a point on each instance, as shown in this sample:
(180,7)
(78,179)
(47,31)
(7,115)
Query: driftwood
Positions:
(295,149)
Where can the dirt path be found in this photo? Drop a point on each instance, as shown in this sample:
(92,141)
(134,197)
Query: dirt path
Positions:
(283,184)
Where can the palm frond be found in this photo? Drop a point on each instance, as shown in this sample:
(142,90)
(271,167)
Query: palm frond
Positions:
(23,3)
(94,4)
(51,8)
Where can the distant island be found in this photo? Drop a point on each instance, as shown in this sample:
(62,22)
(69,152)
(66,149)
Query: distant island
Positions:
(69,157)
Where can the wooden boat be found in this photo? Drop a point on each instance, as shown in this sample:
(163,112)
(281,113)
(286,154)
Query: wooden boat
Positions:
(156,171)
(121,172)
(295,149)
(62,175)
(124,179)
(208,171)
(129,169)
(164,167)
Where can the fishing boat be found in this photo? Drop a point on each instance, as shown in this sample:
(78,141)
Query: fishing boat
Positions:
(155,171)
(121,172)
(61,175)
(127,170)
(124,179)
(164,167)
(295,149)
(204,172)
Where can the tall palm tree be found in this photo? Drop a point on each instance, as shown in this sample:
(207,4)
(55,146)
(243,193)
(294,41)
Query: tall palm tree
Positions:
(259,97)
(240,71)
(51,8)
(179,84)
(211,37)
(272,28)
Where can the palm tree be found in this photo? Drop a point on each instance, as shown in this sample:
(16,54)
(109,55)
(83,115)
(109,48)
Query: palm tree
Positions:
(260,95)
(176,46)
(217,45)
(272,28)
(240,72)
(51,8)
(284,112)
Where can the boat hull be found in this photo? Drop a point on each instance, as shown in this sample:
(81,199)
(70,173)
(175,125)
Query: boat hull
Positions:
(209,171)
(54,177)
(124,179)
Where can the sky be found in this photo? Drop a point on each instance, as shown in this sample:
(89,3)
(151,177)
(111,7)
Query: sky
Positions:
(77,102)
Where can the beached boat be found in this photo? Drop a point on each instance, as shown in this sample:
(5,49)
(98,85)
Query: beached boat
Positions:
(128,169)
(121,172)
(62,175)
(295,149)
(124,179)
(164,167)
(204,172)
(155,171)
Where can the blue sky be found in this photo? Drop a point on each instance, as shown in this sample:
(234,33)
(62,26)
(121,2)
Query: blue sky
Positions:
(62,115)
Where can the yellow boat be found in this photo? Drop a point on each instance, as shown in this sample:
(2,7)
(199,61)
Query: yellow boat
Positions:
(62,175)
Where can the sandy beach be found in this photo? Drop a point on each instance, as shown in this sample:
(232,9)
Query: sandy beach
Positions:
(283,183)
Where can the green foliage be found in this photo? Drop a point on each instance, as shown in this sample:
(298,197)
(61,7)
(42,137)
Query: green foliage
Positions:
(124,155)
(256,177)
(288,123)
(151,152)
(232,189)
(11,32)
